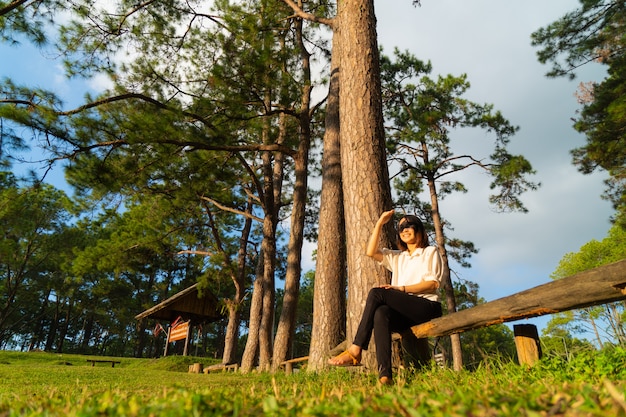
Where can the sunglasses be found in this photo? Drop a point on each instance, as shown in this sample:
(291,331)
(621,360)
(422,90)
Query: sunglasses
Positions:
(406,225)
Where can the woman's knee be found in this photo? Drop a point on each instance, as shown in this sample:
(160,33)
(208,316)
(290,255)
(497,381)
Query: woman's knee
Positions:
(375,293)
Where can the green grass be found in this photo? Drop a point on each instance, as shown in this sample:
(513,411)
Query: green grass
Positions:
(34,384)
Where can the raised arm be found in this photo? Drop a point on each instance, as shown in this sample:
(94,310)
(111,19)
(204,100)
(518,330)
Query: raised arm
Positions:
(373,248)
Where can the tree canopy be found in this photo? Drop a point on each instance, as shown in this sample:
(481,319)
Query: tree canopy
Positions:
(606,323)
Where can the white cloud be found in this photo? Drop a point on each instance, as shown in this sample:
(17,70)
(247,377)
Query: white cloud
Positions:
(100,82)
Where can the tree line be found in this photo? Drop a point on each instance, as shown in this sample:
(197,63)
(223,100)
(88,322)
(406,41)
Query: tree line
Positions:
(194,166)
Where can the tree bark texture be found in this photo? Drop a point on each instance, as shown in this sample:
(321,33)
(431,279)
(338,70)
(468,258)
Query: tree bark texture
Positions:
(269,193)
(363,157)
(329,301)
(266,329)
(287,320)
(251,350)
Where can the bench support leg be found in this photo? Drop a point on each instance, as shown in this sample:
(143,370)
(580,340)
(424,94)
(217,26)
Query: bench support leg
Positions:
(527,343)
(416,352)
(288,368)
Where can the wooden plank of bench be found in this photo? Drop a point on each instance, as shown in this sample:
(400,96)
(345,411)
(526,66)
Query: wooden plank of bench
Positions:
(596,286)
(295,360)
(288,364)
(221,367)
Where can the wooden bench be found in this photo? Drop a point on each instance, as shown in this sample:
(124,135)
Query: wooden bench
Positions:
(288,364)
(94,361)
(596,286)
(220,367)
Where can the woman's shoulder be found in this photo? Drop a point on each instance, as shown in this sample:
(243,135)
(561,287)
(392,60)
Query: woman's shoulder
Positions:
(425,251)
(431,249)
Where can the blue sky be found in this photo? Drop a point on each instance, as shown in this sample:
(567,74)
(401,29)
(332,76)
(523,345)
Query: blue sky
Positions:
(29,65)
(489,40)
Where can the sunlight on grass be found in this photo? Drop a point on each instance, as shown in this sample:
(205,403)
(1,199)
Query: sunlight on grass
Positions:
(43,384)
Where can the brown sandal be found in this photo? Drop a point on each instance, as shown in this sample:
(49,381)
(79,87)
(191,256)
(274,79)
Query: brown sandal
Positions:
(345,359)
(385,380)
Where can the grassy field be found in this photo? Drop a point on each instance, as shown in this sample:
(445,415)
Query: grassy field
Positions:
(36,384)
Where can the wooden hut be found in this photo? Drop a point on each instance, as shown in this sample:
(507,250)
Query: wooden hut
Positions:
(187,308)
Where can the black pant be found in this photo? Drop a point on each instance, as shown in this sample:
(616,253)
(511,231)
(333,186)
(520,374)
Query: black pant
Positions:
(391,311)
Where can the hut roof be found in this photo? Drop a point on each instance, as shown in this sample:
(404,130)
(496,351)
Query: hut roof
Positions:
(187,304)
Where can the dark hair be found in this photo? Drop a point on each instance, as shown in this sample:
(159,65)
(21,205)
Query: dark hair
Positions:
(420,232)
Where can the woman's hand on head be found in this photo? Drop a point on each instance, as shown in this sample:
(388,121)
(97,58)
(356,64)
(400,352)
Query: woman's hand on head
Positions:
(386,216)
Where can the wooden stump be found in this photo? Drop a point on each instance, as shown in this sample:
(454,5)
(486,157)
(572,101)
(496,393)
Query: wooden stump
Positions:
(196,368)
(527,343)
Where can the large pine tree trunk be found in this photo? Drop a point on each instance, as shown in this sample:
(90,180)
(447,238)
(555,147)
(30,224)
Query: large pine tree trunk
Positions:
(266,329)
(329,302)
(363,159)
(232,333)
(287,320)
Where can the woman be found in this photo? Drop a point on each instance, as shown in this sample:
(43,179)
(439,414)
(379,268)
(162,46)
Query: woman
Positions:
(410,299)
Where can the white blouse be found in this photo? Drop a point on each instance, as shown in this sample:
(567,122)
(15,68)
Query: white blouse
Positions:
(424,264)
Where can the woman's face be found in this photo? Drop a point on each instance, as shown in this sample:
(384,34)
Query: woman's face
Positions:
(407,231)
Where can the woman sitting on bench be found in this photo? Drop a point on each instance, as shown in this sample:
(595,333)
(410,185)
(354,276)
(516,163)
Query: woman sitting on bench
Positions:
(410,299)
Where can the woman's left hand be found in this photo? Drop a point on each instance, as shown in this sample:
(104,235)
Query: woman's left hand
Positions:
(391,287)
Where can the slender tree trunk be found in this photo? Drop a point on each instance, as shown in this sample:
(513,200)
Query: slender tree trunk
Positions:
(40,331)
(455,339)
(66,324)
(266,330)
(272,205)
(12,284)
(596,332)
(144,291)
(238,276)
(52,331)
(363,157)
(270,197)
(234,306)
(232,334)
(87,330)
(262,311)
(615,315)
(329,299)
(256,305)
(141,340)
(287,321)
